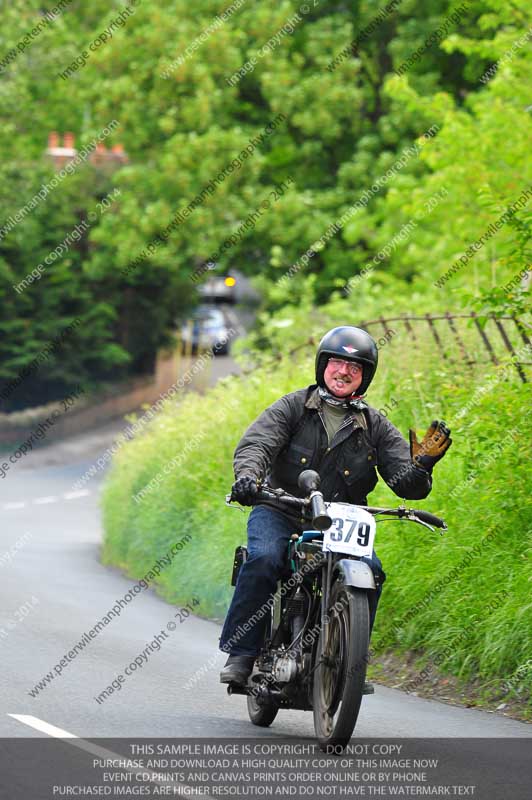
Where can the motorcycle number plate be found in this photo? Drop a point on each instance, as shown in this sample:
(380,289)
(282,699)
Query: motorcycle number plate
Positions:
(352,531)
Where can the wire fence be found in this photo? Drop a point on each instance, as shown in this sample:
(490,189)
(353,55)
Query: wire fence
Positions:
(463,339)
(498,336)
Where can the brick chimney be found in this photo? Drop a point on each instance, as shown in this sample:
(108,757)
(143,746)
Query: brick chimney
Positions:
(61,155)
(68,140)
(100,157)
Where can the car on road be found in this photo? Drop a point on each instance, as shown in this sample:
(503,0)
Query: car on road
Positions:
(207,328)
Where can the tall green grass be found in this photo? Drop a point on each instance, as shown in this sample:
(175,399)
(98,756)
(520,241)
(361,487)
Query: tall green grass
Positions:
(458,627)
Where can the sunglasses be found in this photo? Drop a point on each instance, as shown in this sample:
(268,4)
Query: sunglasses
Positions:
(350,366)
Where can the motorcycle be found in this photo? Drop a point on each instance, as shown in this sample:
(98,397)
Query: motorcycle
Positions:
(316,648)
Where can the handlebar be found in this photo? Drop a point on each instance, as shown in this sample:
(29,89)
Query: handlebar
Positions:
(412,514)
(321,519)
(430,519)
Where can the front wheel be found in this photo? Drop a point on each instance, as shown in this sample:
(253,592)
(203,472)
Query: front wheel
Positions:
(341,670)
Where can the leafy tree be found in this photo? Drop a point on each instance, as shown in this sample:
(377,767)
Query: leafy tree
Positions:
(167,75)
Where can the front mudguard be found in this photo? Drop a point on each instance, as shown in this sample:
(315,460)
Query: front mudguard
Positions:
(354,573)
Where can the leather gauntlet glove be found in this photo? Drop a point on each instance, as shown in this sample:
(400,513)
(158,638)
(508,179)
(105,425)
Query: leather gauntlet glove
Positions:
(432,447)
(244,490)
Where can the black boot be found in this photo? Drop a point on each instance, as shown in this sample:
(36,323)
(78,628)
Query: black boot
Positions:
(237,670)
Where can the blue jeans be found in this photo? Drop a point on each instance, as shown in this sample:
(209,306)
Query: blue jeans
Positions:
(268,534)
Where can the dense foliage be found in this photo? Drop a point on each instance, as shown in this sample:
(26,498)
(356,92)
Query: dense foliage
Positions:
(190,87)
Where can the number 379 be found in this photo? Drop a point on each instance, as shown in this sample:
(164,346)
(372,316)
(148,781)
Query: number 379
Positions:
(343,529)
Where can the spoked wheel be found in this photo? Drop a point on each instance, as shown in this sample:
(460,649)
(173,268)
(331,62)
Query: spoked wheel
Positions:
(263,712)
(341,670)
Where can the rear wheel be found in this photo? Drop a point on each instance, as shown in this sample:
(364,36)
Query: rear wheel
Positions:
(341,670)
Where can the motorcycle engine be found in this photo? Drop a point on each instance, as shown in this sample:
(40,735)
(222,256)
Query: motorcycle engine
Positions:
(287,663)
(284,668)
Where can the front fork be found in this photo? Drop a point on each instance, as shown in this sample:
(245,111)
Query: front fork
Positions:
(326,574)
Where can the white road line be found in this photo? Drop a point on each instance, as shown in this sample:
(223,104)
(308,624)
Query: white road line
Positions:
(100,752)
(40,501)
(73,495)
(44,727)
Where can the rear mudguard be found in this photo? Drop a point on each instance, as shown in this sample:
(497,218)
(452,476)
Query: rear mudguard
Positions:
(354,573)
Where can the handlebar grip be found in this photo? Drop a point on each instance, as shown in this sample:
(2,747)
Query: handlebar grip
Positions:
(426,516)
(320,519)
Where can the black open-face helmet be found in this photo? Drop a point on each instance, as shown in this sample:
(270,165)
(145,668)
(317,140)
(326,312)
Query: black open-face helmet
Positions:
(351,344)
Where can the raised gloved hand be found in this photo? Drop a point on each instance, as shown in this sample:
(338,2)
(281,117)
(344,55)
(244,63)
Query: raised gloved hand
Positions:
(432,447)
(244,490)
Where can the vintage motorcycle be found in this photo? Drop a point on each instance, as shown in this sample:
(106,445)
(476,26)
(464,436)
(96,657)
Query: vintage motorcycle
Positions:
(316,648)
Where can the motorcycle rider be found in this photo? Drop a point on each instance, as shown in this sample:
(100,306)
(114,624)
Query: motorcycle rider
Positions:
(327,427)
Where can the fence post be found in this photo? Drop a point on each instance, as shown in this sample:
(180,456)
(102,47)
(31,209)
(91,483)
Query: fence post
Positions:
(520,327)
(485,339)
(509,347)
(434,332)
(409,327)
(461,345)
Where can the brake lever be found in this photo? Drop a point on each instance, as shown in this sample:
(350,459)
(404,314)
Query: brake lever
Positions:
(229,504)
(407,513)
(425,524)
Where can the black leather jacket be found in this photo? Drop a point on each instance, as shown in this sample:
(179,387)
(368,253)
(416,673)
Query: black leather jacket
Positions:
(290,436)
